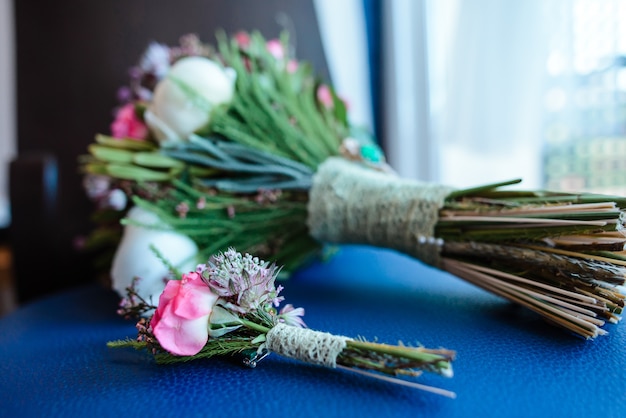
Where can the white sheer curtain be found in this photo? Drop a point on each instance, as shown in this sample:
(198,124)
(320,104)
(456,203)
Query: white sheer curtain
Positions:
(7,105)
(487,90)
(406,90)
(343,33)
(484,64)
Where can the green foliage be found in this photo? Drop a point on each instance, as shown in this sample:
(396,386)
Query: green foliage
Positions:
(276,109)
(271,137)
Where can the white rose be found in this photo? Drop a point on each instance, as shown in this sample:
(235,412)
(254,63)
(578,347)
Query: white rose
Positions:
(183,100)
(134,258)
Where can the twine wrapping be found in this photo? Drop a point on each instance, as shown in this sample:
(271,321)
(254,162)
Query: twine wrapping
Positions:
(304,344)
(349,203)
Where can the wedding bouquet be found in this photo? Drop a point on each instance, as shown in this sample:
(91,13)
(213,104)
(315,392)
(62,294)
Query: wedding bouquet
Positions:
(241,145)
(227,306)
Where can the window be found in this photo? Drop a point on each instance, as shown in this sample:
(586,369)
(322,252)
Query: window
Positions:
(585,99)
(533,90)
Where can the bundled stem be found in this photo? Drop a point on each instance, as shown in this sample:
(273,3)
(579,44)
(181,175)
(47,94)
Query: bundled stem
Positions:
(372,359)
(279,172)
(556,254)
(228,307)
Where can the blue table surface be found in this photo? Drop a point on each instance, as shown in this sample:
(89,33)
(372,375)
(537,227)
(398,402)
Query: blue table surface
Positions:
(55,362)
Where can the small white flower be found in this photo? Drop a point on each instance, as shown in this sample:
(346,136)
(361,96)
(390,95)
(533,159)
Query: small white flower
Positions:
(156,60)
(183,100)
(96,186)
(134,257)
(116,199)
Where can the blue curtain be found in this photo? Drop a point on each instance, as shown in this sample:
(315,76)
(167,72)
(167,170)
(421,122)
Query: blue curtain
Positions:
(373,26)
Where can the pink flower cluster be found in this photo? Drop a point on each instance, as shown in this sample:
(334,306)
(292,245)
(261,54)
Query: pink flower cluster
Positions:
(238,283)
(274,46)
(128,125)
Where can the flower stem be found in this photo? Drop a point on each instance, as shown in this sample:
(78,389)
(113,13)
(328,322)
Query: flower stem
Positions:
(424,355)
(254,326)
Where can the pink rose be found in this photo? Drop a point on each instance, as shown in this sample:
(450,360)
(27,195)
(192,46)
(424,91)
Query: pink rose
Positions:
(181,321)
(243,39)
(324,96)
(128,125)
(292,66)
(275,48)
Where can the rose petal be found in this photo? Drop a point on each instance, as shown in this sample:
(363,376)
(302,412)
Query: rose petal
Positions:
(182,337)
(181,321)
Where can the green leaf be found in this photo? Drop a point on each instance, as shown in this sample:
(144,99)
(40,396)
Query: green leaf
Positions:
(96,168)
(129,144)
(478,190)
(131,172)
(156,160)
(113,155)
(202,172)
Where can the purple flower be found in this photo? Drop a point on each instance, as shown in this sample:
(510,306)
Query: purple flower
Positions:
(156,60)
(96,186)
(243,281)
(124,94)
(292,316)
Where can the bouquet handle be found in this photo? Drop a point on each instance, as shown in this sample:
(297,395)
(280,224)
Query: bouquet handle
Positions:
(351,203)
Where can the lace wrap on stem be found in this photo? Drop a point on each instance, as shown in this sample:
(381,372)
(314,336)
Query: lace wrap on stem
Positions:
(349,203)
(305,344)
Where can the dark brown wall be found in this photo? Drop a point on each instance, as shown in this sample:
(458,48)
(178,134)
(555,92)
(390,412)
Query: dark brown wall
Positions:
(72,56)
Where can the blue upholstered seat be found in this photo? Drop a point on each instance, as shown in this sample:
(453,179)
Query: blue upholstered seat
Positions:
(55,362)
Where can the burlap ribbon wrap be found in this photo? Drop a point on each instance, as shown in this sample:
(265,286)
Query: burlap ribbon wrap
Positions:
(350,203)
(313,347)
